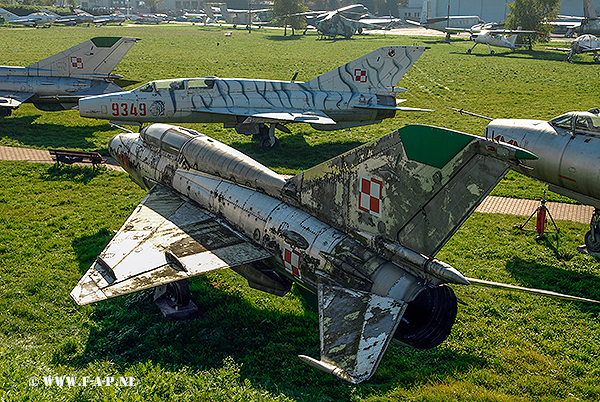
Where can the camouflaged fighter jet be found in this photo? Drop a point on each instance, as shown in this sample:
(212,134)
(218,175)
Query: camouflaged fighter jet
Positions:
(59,81)
(358,93)
(359,230)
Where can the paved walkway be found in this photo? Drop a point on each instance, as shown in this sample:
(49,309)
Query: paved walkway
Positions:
(43,156)
(499,205)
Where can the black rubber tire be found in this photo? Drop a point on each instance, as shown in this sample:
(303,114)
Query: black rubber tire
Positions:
(179,293)
(593,246)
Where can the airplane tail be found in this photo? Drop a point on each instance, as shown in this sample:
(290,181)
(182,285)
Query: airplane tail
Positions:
(225,12)
(381,69)
(94,58)
(209,12)
(513,39)
(425,12)
(7,14)
(589,11)
(414,186)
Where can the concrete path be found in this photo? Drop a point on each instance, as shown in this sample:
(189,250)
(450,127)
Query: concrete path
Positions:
(499,205)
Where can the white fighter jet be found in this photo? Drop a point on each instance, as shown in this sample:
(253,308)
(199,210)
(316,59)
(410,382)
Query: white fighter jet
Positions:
(59,81)
(358,93)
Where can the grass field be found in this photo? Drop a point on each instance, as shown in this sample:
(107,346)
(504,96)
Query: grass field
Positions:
(243,345)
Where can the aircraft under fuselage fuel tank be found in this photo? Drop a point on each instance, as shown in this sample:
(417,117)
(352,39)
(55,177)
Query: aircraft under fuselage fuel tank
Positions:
(358,93)
(359,230)
(568,148)
(59,81)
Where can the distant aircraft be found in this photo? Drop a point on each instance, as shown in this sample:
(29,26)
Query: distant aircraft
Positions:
(238,17)
(58,82)
(117,18)
(80,17)
(442,24)
(568,148)
(583,44)
(359,93)
(496,37)
(32,20)
(144,18)
(589,24)
(344,21)
(359,231)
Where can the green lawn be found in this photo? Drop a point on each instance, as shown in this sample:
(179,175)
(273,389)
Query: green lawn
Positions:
(244,343)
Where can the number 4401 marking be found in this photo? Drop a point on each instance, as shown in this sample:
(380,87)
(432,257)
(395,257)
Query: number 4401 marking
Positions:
(128,109)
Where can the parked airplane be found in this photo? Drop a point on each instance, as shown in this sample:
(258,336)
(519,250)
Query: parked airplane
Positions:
(496,37)
(59,81)
(344,21)
(360,231)
(443,23)
(583,44)
(117,18)
(359,93)
(568,147)
(238,17)
(80,17)
(589,24)
(32,20)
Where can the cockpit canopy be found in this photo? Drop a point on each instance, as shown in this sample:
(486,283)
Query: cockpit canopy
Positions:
(177,84)
(166,137)
(588,122)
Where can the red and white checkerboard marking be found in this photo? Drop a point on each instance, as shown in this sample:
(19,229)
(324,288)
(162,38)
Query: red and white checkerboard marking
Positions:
(360,75)
(76,62)
(370,195)
(291,262)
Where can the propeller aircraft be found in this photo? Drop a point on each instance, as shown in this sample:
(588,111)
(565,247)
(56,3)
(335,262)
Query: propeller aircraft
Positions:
(360,231)
(59,81)
(359,93)
(496,37)
(583,44)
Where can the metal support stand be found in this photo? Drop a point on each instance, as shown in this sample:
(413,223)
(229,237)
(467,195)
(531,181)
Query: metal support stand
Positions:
(540,225)
(173,299)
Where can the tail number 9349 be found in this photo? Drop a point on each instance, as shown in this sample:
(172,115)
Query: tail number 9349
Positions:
(128,109)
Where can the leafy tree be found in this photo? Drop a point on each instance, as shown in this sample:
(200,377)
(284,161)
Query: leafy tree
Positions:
(533,15)
(284,9)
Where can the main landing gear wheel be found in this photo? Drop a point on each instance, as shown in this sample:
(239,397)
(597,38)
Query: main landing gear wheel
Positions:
(469,51)
(492,52)
(178,293)
(592,242)
(592,237)
(265,143)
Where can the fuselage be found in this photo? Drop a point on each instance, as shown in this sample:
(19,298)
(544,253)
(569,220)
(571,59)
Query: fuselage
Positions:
(568,148)
(230,101)
(250,198)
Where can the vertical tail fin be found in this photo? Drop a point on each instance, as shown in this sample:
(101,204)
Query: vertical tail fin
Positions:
(513,39)
(589,11)
(208,10)
(225,12)
(380,69)
(95,57)
(7,14)
(414,186)
(425,12)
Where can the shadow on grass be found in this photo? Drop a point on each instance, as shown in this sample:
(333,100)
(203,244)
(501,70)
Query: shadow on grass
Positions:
(281,38)
(519,54)
(45,135)
(294,152)
(264,341)
(79,174)
(532,274)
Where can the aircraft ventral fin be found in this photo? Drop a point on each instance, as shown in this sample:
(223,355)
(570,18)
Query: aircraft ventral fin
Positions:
(166,239)
(356,328)
(313,116)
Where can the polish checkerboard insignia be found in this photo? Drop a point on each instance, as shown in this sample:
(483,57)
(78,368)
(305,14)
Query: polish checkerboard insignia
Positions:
(370,195)
(76,62)
(392,53)
(360,75)
(291,262)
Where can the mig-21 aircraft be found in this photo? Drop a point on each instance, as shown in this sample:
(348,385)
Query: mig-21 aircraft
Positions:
(360,231)
(37,19)
(358,93)
(59,81)
(568,148)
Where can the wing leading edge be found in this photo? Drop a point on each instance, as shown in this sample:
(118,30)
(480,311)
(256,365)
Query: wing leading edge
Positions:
(166,239)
